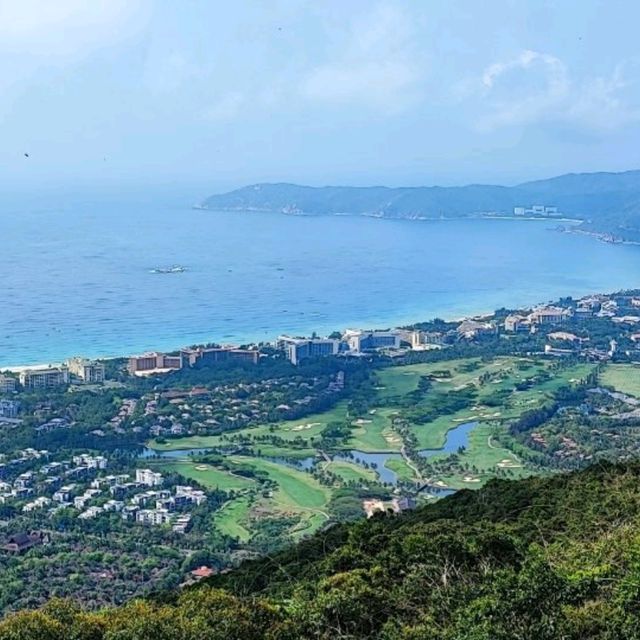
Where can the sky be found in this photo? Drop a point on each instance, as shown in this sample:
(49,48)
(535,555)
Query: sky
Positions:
(211,95)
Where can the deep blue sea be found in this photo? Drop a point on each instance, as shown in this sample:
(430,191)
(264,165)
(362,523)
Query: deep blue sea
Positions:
(75,276)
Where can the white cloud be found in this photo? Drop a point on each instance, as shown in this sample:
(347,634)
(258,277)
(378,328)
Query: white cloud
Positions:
(537,87)
(523,89)
(527,60)
(375,63)
(65,27)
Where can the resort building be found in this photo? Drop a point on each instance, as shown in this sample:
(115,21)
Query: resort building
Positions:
(515,322)
(470,329)
(153,516)
(153,362)
(535,210)
(44,378)
(359,340)
(422,340)
(7,384)
(148,477)
(549,315)
(88,371)
(298,349)
(214,355)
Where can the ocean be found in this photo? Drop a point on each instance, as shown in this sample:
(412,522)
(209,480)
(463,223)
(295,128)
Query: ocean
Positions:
(76,275)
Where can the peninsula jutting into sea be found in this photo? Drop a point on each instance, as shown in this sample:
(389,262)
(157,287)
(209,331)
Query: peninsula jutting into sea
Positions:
(607,204)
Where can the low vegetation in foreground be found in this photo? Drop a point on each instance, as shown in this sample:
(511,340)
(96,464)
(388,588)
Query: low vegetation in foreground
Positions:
(542,558)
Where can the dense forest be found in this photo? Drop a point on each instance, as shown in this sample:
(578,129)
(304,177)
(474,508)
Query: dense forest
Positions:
(553,557)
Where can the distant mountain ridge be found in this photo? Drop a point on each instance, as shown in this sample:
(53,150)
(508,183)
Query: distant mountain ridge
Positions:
(608,203)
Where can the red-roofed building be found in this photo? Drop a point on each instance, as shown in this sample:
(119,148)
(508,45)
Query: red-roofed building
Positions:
(202,572)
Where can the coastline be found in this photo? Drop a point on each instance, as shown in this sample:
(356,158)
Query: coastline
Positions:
(381,216)
(16,369)
(602,236)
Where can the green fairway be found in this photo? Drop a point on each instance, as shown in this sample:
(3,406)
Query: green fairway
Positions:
(401,469)
(399,381)
(622,377)
(230,518)
(296,489)
(206,475)
(189,442)
(486,455)
(350,471)
(373,432)
(496,402)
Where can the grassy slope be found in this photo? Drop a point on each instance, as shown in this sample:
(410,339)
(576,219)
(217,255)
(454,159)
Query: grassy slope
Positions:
(373,432)
(541,558)
(349,471)
(297,489)
(231,518)
(623,377)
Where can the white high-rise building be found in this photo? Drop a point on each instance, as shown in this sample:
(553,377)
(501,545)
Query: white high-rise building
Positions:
(148,477)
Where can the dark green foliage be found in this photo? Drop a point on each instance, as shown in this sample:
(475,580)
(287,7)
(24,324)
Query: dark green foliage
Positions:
(539,559)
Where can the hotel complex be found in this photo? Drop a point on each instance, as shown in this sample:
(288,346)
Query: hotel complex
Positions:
(212,355)
(88,371)
(298,349)
(44,378)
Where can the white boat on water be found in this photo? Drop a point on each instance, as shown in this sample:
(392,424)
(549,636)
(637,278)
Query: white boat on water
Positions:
(176,268)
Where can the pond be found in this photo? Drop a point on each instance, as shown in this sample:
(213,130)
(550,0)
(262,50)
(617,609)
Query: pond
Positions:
(455,438)
(377,460)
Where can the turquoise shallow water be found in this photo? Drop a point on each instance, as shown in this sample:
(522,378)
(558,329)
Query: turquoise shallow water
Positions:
(74,277)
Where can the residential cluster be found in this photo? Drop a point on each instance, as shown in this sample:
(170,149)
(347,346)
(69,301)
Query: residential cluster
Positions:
(188,411)
(82,484)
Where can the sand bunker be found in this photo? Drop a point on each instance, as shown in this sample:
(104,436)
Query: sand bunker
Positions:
(309,425)
(508,464)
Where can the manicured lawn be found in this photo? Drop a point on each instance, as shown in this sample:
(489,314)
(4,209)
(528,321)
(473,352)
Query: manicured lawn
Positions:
(350,471)
(399,381)
(229,520)
(205,474)
(296,489)
(401,469)
(623,377)
(190,442)
(484,456)
(373,432)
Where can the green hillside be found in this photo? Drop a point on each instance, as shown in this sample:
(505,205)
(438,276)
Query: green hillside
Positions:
(543,558)
(606,202)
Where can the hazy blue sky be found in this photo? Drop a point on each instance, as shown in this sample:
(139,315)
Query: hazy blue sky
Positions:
(219,94)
